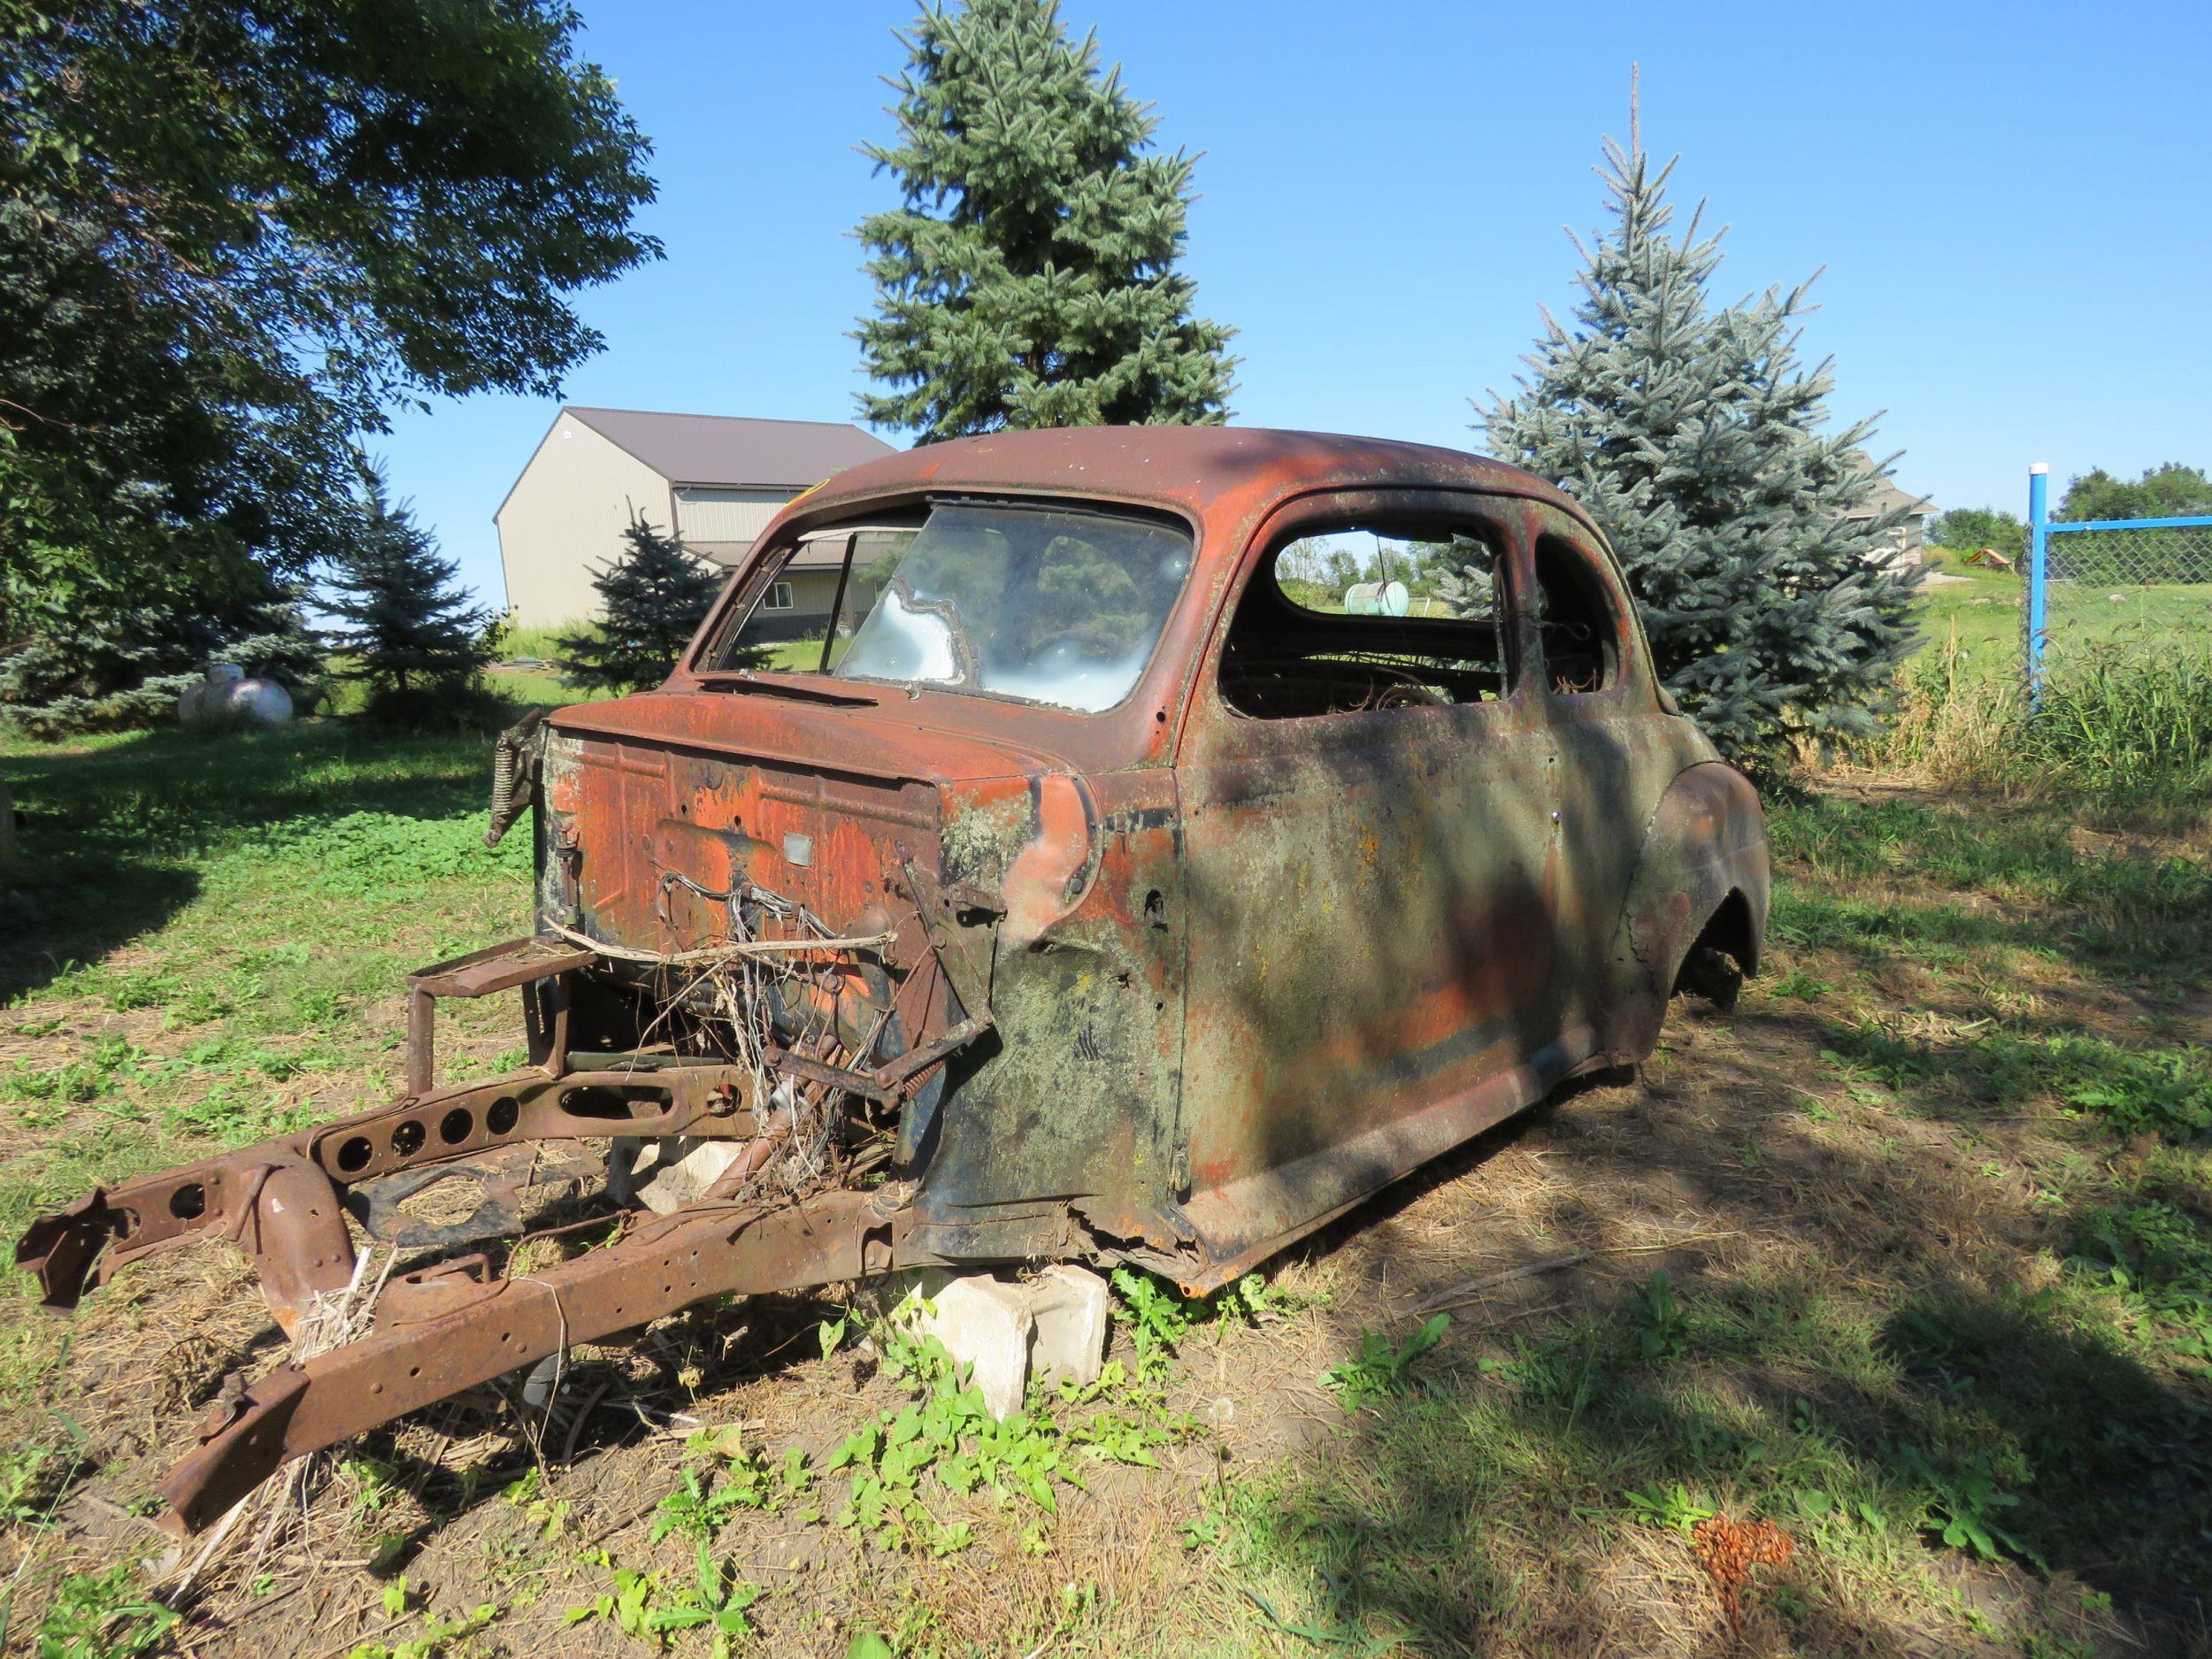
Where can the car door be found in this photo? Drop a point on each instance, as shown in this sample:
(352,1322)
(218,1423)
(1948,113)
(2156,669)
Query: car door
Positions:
(1371,879)
(1617,745)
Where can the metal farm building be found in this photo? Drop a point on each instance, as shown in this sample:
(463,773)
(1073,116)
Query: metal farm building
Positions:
(714,479)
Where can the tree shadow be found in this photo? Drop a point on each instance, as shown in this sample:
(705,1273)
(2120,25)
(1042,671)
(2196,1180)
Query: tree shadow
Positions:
(114,839)
(1488,1509)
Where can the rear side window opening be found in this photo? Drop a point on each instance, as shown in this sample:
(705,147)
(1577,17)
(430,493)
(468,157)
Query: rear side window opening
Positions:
(1037,602)
(1357,618)
(1576,620)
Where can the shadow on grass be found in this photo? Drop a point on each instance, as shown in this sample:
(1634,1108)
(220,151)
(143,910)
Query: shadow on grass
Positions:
(114,836)
(1491,1508)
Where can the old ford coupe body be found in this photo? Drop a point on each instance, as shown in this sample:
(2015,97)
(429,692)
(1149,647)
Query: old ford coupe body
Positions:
(1094,884)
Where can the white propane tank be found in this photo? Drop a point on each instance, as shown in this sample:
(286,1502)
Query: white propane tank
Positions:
(228,697)
(1377,599)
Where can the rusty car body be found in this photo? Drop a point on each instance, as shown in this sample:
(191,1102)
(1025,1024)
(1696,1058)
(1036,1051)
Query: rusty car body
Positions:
(1089,897)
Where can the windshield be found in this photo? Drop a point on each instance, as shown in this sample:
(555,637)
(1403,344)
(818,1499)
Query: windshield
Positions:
(1050,604)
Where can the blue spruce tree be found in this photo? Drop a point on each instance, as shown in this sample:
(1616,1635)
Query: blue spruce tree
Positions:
(1693,436)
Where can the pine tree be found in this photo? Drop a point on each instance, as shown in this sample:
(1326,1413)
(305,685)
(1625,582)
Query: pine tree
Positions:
(652,600)
(415,640)
(1691,434)
(123,659)
(1029,279)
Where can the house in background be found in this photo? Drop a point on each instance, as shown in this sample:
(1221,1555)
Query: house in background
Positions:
(715,480)
(1910,535)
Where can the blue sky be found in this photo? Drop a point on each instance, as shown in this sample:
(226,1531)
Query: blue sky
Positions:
(2009,202)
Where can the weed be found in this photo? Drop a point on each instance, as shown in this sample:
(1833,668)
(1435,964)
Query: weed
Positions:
(1804,986)
(702,1503)
(1669,1508)
(373,1484)
(1661,1329)
(102,1616)
(437,1636)
(2157,1258)
(548,1515)
(1382,1368)
(1158,1319)
(33,1478)
(2162,1091)
(1965,1507)
(643,1609)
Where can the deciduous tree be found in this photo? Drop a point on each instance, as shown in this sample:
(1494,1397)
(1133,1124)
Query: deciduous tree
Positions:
(2171,491)
(232,235)
(1967,529)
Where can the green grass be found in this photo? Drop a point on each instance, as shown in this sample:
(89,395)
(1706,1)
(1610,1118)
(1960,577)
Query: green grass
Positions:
(233,911)
(1965,1117)
(1984,613)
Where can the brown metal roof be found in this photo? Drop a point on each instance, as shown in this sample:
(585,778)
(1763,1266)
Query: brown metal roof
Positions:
(1191,468)
(734,451)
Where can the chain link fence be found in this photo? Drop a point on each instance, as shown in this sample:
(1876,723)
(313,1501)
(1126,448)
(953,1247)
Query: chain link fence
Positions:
(2117,589)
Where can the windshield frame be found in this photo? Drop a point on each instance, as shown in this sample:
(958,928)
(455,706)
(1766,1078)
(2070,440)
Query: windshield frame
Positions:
(750,588)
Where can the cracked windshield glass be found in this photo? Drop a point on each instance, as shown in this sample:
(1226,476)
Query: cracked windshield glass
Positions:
(1047,605)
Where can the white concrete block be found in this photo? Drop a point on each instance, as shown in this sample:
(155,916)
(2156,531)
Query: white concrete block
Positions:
(985,1327)
(1005,1330)
(1070,1306)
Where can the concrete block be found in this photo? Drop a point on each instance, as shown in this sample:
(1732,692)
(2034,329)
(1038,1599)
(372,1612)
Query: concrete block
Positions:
(1005,1330)
(1072,1308)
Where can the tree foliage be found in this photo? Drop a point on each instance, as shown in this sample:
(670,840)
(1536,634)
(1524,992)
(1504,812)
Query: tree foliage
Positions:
(1030,280)
(124,661)
(652,598)
(1967,529)
(232,235)
(1692,435)
(2171,491)
(413,636)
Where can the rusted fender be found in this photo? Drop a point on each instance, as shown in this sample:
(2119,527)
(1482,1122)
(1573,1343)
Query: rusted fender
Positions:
(1706,849)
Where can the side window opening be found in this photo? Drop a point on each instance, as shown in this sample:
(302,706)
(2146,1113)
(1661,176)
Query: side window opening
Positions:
(1357,619)
(1575,620)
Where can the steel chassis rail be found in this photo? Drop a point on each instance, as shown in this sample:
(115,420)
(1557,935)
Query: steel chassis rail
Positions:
(456,1323)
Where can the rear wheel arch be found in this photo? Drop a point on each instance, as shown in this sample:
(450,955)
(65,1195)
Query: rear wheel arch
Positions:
(1699,897)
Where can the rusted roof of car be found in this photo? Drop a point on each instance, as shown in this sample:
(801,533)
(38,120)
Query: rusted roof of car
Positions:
(1188,468)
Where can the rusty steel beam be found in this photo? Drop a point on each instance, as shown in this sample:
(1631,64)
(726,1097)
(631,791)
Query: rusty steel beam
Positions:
(280,1199)
(433,1339)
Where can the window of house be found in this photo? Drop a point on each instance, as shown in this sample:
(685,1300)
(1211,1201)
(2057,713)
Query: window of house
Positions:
(778,597)
(1356,619)
(1575,619)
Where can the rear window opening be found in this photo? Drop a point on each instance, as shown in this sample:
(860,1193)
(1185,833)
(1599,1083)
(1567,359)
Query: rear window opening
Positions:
(1357,619)
(1038,603)
(1575,619)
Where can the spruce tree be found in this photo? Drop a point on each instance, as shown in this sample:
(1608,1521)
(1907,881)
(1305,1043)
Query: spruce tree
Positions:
(125,658)
(415,639)
(1692,434)
(652,599)
(1029,279)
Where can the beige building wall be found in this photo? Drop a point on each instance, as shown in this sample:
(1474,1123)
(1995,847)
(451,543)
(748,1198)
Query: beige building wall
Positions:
(565,517)
(725,515)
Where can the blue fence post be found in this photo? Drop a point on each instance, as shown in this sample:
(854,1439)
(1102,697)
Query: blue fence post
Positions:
(2039,545)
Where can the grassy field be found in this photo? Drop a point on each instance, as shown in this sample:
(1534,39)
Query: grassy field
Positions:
(1983,614)
(1908,1258)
